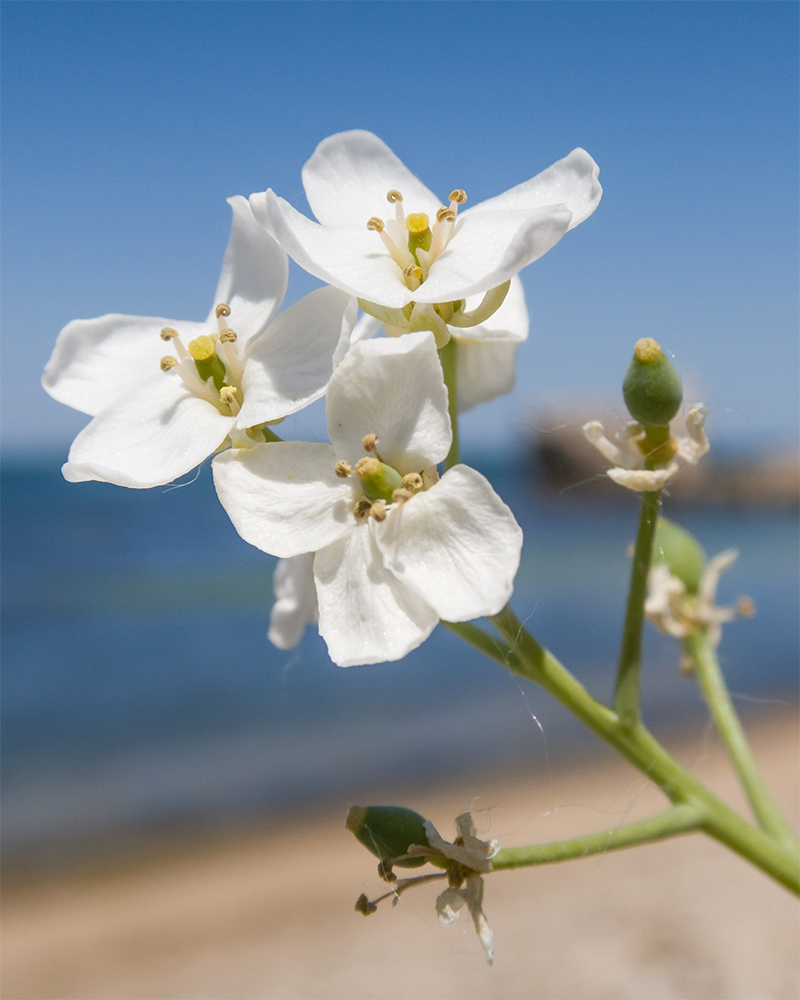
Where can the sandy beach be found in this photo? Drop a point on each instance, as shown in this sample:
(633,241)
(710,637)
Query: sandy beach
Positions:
(269,913)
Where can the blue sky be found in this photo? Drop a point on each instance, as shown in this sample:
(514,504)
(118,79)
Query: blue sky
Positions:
(126,125)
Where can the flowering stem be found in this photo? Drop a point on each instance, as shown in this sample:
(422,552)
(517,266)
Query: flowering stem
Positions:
(627,693)
(492,647)
(637,745)
(447,356)
(715,692)
(675,821)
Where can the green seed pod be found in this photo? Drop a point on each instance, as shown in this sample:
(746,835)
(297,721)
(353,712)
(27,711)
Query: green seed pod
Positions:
(378,481)
(652,386)
(388,831)
(680,552)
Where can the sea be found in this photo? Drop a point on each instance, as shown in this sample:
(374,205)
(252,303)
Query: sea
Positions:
(141,695)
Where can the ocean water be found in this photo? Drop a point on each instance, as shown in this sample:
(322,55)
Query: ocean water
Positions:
(140,691)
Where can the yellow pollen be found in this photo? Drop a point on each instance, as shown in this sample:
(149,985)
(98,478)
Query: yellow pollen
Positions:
(375,224)
(228,336)
(342,469)
(413,271)
(168,333)
(227,393)
(223,309)
(202,348)
(445,215)
(394,196)
(417,223)
(459,196)
(168,362)
(647,349)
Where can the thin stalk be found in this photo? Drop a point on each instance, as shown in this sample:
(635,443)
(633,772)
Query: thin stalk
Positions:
(715,692)
(639,747)
(489,645)
(627,694)
(447,356)
(675,821)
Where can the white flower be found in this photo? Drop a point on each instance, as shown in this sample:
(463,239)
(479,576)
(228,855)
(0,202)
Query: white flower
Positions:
(396,549)
(156,416)
(296,600)
(429,252)
(676,612)
(629,458)
(485,353)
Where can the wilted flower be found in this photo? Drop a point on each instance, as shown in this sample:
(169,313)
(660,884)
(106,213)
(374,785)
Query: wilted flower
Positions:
(157,415)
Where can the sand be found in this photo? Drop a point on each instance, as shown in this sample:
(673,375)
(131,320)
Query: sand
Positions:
(269,913)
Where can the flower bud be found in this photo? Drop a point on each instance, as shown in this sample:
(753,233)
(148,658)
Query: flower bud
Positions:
(680,552)
(388,832)
(652,386)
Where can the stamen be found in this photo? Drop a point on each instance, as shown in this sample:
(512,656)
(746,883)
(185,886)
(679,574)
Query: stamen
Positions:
(168,333)
(413,481)
(401,496)
(227,336)
(342,469)
(375,224)
(227,352)
(168,363)
(227,395)
(445,215)
(395,198)
(399,255)
(413,276)
(458,197)
(362,509)
(223,309)
(370,443)
(378,511)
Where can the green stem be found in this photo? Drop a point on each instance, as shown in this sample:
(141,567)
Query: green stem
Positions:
(627,698)
(270,435)
(490,646)
(639,747)
(673,822)
(715,692)
(447,356)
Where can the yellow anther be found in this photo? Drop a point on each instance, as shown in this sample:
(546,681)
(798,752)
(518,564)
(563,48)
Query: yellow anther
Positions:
(445,215)
(223,309)
(375,224)
(413,271)
(413,481)
(362,509)
(745,607)
(401,496)
(201,348)
(647,349)
(417,223)
(227,393)
(378,510)
(459,196)
(393,196)
(168,363)
(366,467)
(227,336)
(342,469)
(168,333)
(370,442)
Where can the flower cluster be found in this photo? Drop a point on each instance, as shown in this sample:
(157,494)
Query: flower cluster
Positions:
(375,545)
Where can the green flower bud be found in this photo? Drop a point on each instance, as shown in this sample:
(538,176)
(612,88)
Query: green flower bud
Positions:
(388,831)
(652,386)
(680,552)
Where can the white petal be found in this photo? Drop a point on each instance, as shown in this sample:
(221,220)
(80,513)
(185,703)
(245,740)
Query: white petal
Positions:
(284,497)
(255,272)
(354,260)
(474,894)
(641,480)
(448,903)
(489,248)
(457,545)
(365,614)
(289,365)
(484,370)
(509,322)
(349,175)
(594,434)
(154,434)
(477,860)
(692,448)
(365,328)
(296,600)
(571,182)
(95,361)
(395,389)
(709,581)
